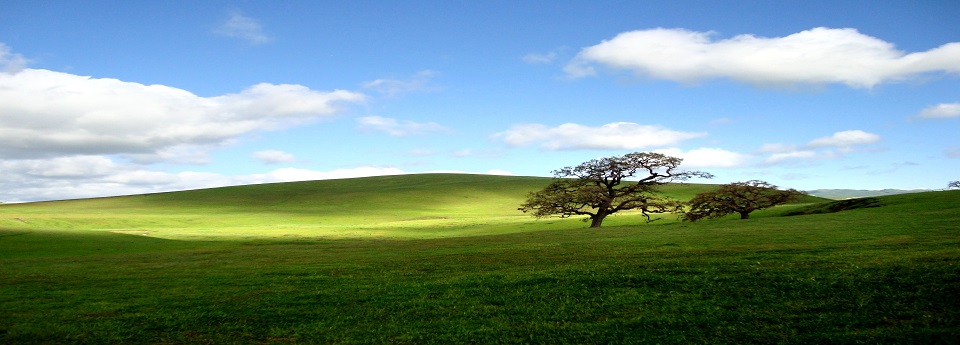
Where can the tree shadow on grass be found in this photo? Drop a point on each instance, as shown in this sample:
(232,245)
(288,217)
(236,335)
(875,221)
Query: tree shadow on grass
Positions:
(837,206)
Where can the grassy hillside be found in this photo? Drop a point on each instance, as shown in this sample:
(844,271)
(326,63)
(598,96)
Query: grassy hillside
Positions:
(418,206)
(889,273)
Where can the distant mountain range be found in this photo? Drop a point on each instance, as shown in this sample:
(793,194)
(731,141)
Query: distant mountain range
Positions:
(838,194)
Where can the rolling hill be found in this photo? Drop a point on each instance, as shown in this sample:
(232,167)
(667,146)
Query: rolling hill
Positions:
(439,259)
(424,205)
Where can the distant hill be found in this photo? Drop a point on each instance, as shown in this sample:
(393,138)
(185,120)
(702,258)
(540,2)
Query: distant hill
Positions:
(838,194)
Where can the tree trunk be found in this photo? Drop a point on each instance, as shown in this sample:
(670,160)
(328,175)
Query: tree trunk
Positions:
(595,221)
(744,215)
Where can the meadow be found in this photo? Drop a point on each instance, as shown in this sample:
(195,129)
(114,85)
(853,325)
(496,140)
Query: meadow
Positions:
(445,258)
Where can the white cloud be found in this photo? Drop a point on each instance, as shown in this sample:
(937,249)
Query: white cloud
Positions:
(776,148)
(943,110)
(464,153)
(830,147)
(816,56)
(242,27)
(792,155)
(45,113)
(397,128)
(708,157)
(96,176)
(571,136)
(273,157)
(10,62)
(420,82)
(60,167)
(845,139)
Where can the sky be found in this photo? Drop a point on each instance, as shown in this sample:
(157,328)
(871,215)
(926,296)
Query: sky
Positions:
(102,98)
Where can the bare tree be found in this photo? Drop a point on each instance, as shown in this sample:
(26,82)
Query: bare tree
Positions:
(738,197)
(953,184)
(600,187)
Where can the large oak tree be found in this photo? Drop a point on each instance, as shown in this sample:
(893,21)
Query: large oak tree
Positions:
(604,186)
(738,197)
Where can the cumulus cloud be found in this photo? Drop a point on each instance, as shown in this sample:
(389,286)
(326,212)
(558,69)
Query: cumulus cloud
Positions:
(615,136)
(816,56)
(708,157)
(940,111)
(420,82)
(397,128)
(242,27)
(273,157)
(47,113)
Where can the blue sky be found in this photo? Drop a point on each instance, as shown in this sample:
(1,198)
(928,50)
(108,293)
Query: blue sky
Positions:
(105,98)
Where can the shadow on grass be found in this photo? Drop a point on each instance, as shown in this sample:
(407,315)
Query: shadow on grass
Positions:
(837,206)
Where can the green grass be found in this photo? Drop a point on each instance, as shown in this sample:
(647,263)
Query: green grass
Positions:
(448,259)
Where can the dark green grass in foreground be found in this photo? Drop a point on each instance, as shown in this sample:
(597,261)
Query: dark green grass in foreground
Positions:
(888,274)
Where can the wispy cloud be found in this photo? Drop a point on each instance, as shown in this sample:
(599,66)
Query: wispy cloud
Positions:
(845,139)
(572,136)
(816,56)
(273,157)
(952,152)
(398,128)
(829,147)
(11,62)
(94,176)
(422,81)
(242,27)
(791,156)
(708,157)
(540,59)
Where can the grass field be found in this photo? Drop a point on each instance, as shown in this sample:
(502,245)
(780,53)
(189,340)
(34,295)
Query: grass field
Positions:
(448,259)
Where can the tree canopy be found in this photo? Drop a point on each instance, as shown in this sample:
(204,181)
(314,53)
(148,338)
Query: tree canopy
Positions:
(600,187)
(953,184)
(737,197)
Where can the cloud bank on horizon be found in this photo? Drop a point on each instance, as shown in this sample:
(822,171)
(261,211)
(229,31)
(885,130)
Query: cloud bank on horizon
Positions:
(64,135)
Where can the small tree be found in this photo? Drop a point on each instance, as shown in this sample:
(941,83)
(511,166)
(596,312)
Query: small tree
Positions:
(598,188)
(953,184)
(737,197)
